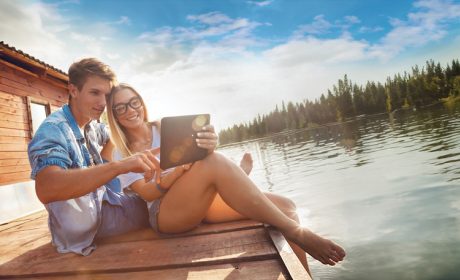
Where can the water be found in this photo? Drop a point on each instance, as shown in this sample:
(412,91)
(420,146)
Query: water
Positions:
(385,187)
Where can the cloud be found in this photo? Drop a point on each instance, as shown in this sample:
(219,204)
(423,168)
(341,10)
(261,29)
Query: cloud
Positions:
(321,26)
(260,3)
(68,2)
(210,64)
(366,29)
(352,19)
(124,20)
(89,45)
(214,81)
(427,24)
(33,28)
(210,35)
(206,26)
(150,58)
(212,18)
(42,30)
(312,50)
(318,26)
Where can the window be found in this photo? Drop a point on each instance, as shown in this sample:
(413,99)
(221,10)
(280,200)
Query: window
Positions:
(38,111)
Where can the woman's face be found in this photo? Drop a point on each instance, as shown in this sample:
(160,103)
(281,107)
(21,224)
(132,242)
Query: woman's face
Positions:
(128,109)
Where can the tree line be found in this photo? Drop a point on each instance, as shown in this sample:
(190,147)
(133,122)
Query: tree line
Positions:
(422,86)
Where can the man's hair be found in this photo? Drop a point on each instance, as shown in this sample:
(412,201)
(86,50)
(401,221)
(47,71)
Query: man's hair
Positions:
(80,70)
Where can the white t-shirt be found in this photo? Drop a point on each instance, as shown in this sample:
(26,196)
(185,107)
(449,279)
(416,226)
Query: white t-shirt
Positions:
(129,178)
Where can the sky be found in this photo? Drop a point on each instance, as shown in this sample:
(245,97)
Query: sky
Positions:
(235,59)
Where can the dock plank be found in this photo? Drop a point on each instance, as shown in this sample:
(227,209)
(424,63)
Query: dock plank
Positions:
(260,270)
(236,250)
(41,216)
(24,234)
(252,244)
(149,234)
(290,260)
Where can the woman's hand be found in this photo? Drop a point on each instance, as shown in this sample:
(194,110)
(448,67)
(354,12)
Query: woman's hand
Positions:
(207,138)
(169,179)
(151,190)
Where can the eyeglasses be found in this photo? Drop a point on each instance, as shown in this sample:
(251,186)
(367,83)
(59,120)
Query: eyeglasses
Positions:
(121,108)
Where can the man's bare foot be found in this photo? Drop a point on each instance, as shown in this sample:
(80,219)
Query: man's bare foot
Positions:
(246,163)
(324,250)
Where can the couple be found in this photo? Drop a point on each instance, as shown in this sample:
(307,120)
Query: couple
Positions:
(69,155)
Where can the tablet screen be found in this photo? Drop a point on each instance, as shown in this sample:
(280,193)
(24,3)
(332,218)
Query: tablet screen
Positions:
(178,145)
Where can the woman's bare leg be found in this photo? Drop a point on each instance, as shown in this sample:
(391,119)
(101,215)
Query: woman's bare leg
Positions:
(220,212)
(246,163)
(187,203)
(226,213)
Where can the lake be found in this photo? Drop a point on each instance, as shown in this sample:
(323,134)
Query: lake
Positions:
(385,187)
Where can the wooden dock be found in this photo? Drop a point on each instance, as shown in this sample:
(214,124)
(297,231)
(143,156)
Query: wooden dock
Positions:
(236,250)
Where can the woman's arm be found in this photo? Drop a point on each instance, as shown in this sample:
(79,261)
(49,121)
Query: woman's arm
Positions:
(107,151)
(149,190)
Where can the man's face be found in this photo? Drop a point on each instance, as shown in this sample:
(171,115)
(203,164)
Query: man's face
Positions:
(89,102)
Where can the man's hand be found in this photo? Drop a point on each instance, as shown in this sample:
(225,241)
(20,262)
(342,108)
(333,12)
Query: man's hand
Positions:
(207,138)
(144,162)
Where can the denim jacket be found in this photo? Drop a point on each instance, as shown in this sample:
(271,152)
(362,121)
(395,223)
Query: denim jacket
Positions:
(58,141)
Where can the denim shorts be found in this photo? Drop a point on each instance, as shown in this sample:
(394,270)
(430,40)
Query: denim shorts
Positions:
(116,219)
(154,210)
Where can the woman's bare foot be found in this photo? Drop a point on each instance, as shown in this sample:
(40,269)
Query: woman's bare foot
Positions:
(246,163)
(324,250)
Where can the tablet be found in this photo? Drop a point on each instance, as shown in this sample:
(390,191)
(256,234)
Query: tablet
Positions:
(178,145)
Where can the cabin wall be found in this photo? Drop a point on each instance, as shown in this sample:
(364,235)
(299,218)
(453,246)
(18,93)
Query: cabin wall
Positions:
(19,87)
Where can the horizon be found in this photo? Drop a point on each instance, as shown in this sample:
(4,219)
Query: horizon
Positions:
(236,59)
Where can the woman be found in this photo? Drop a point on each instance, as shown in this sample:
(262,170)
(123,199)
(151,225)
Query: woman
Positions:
(212,190)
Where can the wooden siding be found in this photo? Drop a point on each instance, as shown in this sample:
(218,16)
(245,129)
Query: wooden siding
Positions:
(17,88)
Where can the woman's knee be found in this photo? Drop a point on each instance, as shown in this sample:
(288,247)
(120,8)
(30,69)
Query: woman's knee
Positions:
(281,201)
(289,204)
(216,157)
(286,205)
(214,161)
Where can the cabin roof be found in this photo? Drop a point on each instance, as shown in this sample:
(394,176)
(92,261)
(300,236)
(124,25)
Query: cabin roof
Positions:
(29,63)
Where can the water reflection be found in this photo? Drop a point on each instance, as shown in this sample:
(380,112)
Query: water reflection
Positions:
(387,187)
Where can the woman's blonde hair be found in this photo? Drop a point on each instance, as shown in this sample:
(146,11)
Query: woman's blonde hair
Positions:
(118,134)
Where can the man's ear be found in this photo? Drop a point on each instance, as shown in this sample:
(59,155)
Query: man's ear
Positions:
(73,90)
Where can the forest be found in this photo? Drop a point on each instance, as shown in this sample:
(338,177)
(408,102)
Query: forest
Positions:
(423,86)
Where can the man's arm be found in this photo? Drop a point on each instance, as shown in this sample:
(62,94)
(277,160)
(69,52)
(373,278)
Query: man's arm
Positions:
(54,183)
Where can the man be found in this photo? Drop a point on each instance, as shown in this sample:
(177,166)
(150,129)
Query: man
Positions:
(69,173)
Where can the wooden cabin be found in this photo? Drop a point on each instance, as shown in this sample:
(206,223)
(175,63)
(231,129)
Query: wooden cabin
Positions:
(29,90)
